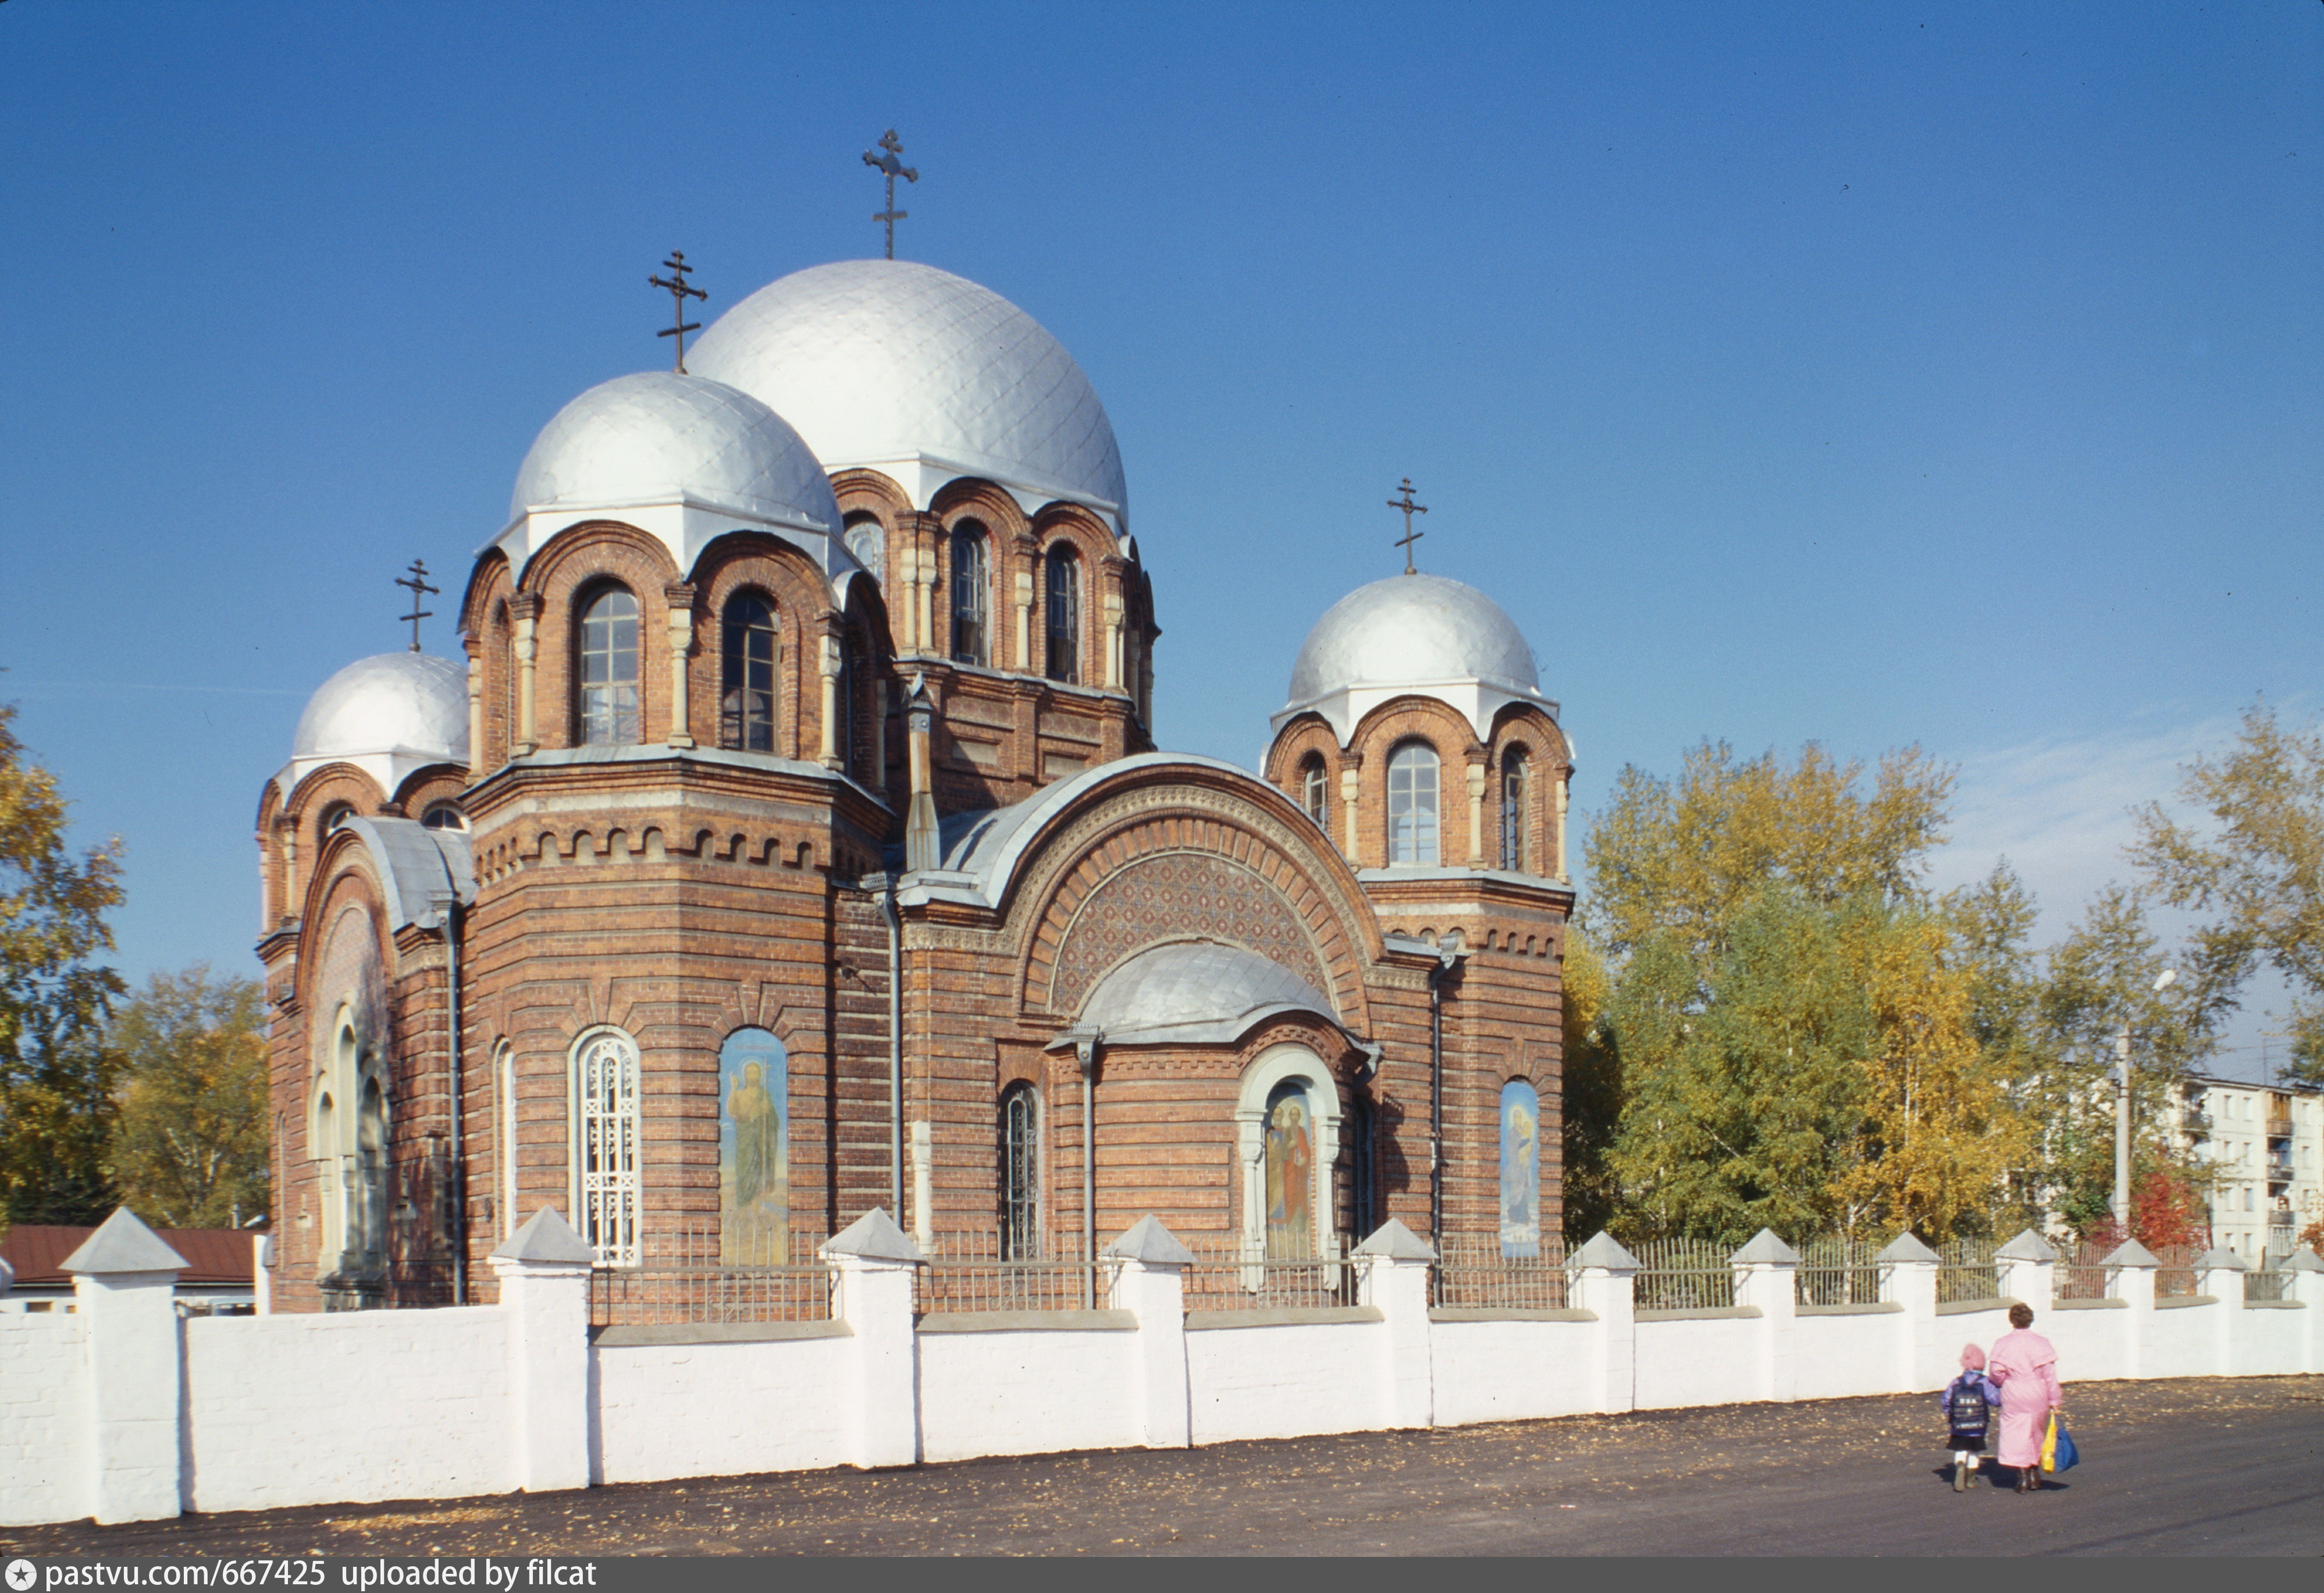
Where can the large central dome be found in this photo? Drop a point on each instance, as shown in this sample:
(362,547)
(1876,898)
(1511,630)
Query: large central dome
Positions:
(886,363)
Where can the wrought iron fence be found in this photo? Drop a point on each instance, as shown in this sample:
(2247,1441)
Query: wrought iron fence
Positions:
(2266,1286)
(1836,1270)
(2081,1273)
(984,1271)
(2174,1279)
(417,1285)
(1233,1274)
(694,1274)
(1471,1272)
(1682,1274)
(1966,1270)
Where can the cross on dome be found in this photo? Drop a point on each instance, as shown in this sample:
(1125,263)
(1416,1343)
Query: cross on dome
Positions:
(680,292)
(417,581)
(890,163)
(1410,536)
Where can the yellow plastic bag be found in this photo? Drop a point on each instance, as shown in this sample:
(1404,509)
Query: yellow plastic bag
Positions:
(2049,1446)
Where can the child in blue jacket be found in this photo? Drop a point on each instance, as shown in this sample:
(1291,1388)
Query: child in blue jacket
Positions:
(1968,1402)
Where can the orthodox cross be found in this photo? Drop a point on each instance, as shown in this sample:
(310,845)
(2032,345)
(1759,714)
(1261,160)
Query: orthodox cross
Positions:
(888,163)
(676,286)
(417,581)
(1410,536)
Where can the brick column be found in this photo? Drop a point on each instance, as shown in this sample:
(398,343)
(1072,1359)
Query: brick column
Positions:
(1393,1277)
(544,1273)
(1150,1281)
(876,1264)
(1604,1277)
(680,599)
(1767,1275)
(1908,1277)
(125,1286)
(524,611)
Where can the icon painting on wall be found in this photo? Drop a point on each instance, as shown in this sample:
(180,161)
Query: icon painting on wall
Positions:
(753,1149)
(1290,1173)
(1520,1169)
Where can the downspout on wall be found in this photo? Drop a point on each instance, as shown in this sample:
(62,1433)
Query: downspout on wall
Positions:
(895,1045)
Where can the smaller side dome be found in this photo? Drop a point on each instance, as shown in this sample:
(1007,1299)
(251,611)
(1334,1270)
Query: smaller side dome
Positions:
(1195,993)
(683,457)
(1420,634)
(388,715)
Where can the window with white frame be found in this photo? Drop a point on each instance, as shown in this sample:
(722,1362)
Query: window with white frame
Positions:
(1412,805)
(605,1152)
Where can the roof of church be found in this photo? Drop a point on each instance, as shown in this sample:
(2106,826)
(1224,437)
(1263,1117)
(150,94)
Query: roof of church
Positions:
(1424,633)
(401,710)
(1192,993)
(924,374)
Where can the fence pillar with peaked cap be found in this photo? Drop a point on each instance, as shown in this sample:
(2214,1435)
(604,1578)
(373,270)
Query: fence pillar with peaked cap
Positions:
(2130,1269)
(2026,1269)
(125,1285)
(1392,1277)
(2306,1284)
(1149,1282)
(1908,1277)
(877,1263)
(1604,1279)
(544,1273)
(2219,1274)
(1767,1280)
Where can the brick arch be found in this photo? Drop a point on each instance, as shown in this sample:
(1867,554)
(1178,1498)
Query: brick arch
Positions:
(1135,873)
(795,585)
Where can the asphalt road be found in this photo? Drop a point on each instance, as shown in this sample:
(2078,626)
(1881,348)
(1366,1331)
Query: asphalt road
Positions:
(2198,1466)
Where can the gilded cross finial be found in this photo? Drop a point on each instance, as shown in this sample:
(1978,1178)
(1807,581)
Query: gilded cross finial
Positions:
(890,163)
(417,581)
(1410,536)
(675,284)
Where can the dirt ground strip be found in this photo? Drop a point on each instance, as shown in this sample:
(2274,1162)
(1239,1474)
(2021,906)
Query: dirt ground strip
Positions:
(2197,1465)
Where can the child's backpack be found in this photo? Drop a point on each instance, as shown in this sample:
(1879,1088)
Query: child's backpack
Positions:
(1967,1413)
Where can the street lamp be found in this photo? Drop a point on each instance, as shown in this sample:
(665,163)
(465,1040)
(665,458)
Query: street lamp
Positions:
(2122,1112)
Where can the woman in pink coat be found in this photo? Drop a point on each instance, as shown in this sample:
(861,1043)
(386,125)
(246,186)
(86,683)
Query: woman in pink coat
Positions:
(2025,1366)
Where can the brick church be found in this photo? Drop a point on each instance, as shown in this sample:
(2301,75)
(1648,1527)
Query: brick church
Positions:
(790,840)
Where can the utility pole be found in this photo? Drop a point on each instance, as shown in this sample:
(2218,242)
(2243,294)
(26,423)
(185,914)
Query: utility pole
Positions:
(2122,1114)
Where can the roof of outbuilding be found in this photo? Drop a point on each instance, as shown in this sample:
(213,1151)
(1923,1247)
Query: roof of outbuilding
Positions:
(38,1251)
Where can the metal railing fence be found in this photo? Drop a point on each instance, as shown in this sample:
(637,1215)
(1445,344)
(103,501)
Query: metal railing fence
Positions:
(1471,1272)
(1233,1274)
(692,1276)
(2266,1286)
(985,1270)
(1835,1270)
(1682,1274)
(2174,1279)
(1966,1270)
(2081,1273)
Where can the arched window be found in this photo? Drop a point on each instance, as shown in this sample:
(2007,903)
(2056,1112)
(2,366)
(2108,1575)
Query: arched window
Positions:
(335,817)
(1291,1172)
(1020,1173)
(1515,780)
(1064,614)
(444,816)
(754,1181)
(609,669)
(972,580)
(867,540)
(746,697)
(1363,1169)
(369,1241)
(1411,785)
(1520,1169)
(605,1152)
(1315,790)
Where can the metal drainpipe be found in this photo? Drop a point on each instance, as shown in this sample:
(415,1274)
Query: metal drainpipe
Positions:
(451,921)
(895,1050)
(1087,1055)
(1436,977)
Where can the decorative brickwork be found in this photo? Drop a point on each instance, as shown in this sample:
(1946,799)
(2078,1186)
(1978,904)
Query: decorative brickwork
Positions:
(1178,896)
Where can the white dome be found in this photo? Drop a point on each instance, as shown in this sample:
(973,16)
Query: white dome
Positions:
(659,436)
(407,705)
(1195,992)
(1413,635)
(1412,629)
(885,363)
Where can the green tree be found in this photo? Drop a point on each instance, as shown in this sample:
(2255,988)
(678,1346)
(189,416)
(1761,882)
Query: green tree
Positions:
(190,1149)
(2258,869)
(58,1076)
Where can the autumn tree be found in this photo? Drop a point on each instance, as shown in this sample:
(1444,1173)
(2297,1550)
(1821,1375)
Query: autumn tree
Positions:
(2256,868)
(58,1076)
(190,1149)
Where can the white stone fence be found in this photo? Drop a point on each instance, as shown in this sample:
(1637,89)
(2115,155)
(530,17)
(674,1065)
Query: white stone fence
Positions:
(123,1409)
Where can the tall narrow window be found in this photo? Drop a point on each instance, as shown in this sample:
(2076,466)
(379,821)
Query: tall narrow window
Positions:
(746,699)
(1021,1173)
(1412,805)
(1064,614)
(504,1085)
(971,580)
(1363,1169)
(1315,791)
(609,669)
(1515,778)
(605,1078)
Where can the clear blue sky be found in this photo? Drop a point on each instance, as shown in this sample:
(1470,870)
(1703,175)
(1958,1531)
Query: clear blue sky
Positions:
(1866,374)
